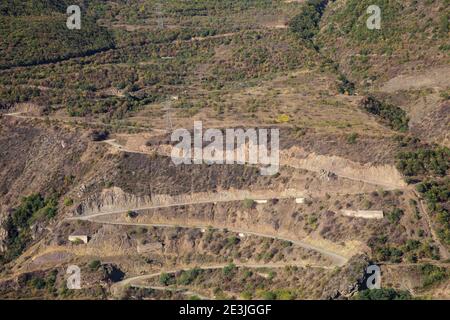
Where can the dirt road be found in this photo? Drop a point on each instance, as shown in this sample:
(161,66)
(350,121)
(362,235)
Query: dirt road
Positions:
(134,281)
(337,259)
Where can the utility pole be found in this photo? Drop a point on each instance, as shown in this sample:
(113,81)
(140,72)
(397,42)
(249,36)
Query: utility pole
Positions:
(159,16)
(167,109)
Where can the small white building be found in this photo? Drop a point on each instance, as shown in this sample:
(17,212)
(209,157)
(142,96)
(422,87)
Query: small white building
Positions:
(300,200)
(260,201)
(77,238)
(365,214)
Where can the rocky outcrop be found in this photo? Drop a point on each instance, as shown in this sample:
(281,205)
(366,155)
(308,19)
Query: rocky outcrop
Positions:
(348,280)
(111,273)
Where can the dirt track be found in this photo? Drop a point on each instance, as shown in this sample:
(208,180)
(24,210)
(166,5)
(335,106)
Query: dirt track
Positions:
(134,281)
(337,259)
(442,249)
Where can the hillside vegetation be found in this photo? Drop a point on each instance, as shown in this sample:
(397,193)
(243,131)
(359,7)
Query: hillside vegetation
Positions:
(35,32)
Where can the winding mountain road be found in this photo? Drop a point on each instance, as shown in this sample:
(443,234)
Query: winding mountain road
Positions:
(134,281)
(338,259)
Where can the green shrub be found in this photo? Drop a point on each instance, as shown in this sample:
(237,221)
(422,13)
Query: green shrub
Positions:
(433,274)
(17,225)
(268,295)
(248,203)
(425,161)
(306,24)
(94,265)
(395,215)
(232,241)
(383,294)
(164,279)
(394,116)
(132,214)
(37,283)
(229,270)
(437,195)
(68,202)
(187,277)
(351,138)
(345,86)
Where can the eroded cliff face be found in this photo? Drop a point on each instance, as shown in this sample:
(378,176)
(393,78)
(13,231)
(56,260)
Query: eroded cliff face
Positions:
(348,281)
(115,200)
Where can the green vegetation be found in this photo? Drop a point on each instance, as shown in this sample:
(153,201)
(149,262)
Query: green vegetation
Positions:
(351,138)
(38,7)
(132,214)
(68,202)
(395,117)
(48,282)
(395,215)
(345,86)
(94,265)
(187,277)
(23,38)
(433,274)
(306,24)
(412,250)
(248,203)
(165,279)
(437,195)
(33,209)
(232,241)
(229,270)
(424,161)
(383,294)
(368,55)
(280,294)
(131,70)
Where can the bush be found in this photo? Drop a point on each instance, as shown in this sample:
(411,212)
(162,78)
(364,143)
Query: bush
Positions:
(232,241)
(187,277)
(164,279)
(37,283)
(282,118)
(248,203)
(268,295)
(306,24)
(229,270)
(383,294)
(94,265)
(433,274)
(132,214)
(437,195)
(246,295)
(394,116)
(395,215)
(99,135)
(68,202)
(351,138)
(345,86)
(425,160)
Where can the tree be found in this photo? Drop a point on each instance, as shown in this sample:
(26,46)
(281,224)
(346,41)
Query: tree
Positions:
(229,270)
